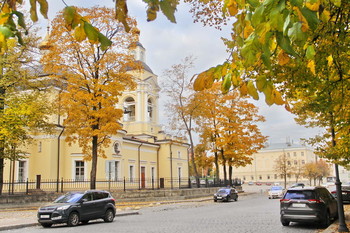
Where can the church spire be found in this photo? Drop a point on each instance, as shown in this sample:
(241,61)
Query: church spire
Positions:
(44,45)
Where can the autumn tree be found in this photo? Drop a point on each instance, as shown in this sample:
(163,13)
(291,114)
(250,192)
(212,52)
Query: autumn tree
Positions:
(283,167)
(228,124)
(23,105)
(181,105)
(310,171)
(323,170)
(94,75)
(203,161)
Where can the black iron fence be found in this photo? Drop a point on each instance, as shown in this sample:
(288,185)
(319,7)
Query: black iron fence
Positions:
(64,185)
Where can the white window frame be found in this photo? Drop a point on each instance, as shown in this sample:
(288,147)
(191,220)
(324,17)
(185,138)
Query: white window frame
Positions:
(74,169)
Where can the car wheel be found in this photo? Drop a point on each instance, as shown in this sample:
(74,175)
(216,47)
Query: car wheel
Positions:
(327,220)
(228,198)
(285,222)
(46,225)
(109,216)
(236,199)
(215,200)
(73,219)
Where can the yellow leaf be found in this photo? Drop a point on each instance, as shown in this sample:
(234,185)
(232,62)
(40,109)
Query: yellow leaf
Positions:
(252,90)
(6,9)
(283,58)
(151,14)
(313,5)
(232,7)
(330,60)
(248,29)
(4,18)
(325,16)
(277,97)
(79,33)
(311,65)
(243,89)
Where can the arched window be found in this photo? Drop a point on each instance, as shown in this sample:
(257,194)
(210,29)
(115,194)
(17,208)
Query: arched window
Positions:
(150,109)
(129,109)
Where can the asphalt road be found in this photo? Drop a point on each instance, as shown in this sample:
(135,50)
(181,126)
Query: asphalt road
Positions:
(252,213)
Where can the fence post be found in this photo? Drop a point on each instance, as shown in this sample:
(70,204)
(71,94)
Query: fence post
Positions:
(27,187)
(62,185)
(152,183)
(124,184)
(38,181)
(189,183)
(179,182)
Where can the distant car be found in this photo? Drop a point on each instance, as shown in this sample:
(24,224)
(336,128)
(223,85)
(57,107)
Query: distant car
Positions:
(345,190)
(250,183)
(308,204)
(298,185)
(275,192)
(226,194)
(268,184)
(258,183)
(75,207)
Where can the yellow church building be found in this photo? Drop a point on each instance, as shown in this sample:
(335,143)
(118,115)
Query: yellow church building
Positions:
(140,156)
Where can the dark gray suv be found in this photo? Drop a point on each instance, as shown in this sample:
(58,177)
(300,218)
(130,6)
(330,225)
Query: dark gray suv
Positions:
(308,204)
(75,207)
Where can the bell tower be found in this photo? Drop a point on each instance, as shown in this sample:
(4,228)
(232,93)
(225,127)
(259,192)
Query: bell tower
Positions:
(141,106)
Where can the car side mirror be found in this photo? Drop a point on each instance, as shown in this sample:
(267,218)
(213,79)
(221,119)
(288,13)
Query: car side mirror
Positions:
(84,200)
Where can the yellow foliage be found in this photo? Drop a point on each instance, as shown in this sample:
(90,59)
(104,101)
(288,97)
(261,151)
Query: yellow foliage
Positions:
(243,89)
(313,5)
(232,7)
(330,60)
(277,97)
(79,33)
(305,24)
(248,29)
(311,65)
(283,58)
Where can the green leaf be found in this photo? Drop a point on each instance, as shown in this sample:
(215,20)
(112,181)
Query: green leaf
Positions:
(33,14)
(254,3)
(261,82)
(284,43)
(226,84)
(286,25)
(296,34)
(91,32)
(257,17)
(6,32)
(311,18)
(105,42)
(69,14)
(276,20)
(44,7)
(20,20)
(298,3)
(168,8)
(310,52)
(252,90)
(19,38)
(121,13)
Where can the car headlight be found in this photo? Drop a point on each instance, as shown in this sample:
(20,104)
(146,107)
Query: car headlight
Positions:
(63,207)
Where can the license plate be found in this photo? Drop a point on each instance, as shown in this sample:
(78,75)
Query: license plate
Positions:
(298,205)
(219,197)
(44,216)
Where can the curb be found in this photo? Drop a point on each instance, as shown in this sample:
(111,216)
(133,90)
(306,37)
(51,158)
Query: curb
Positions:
(19,226)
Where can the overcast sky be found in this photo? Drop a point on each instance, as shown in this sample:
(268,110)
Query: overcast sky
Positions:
(167,44)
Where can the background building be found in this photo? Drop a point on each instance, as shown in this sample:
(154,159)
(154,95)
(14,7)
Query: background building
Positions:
(263,169)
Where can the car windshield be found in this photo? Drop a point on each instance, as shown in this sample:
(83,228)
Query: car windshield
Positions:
(223,191)
(275,188)
(69,198)
(300,194)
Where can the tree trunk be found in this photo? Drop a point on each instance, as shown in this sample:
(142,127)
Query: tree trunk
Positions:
(1,170)
(216,161)
(230,169)
(94,163)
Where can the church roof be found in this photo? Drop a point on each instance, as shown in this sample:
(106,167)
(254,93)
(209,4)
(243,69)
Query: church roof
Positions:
(143,65)
(283,146)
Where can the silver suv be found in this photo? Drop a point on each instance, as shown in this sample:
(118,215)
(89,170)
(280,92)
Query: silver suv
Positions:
(308,204)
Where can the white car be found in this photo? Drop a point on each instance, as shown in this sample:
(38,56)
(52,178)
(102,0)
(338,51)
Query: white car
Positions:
(276,192)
